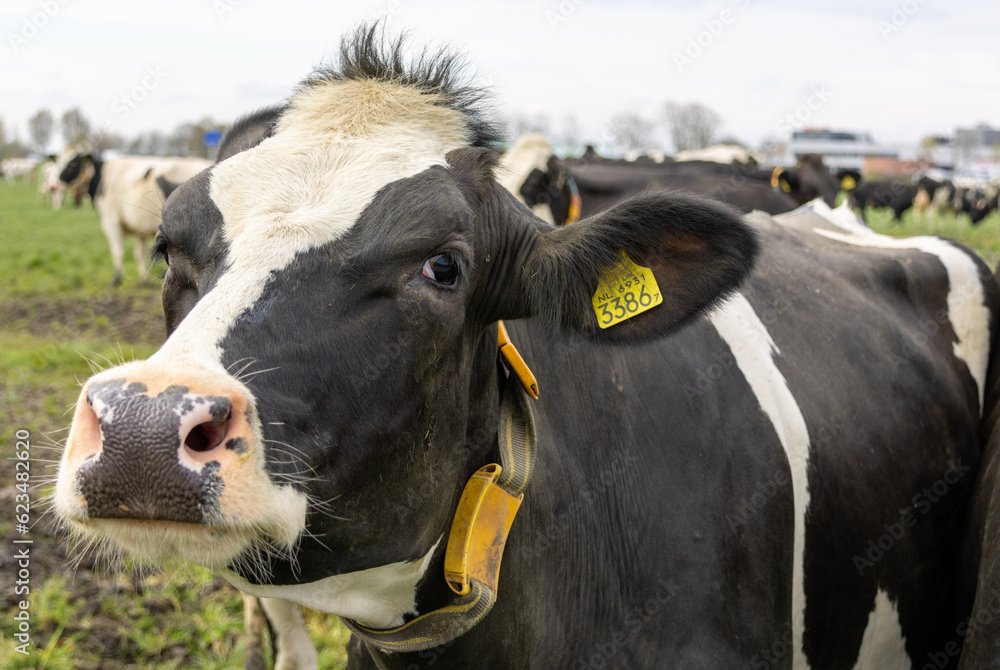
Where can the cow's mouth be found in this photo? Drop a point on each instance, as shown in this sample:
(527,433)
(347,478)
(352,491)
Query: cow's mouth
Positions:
(157,542)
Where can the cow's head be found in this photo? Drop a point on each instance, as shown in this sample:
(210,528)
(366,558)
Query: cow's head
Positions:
(76,168)
(809,179)
(553,187)
(333,287)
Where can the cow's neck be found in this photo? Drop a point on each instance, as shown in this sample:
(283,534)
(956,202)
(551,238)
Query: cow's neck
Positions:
(452,601)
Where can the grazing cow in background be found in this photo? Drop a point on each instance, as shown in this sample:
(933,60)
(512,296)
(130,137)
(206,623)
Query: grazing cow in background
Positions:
(727,154)
(529,153)
(601,184)
(50,187)
(701,481)
(127,193)
(923,200)
(14,168)
(892,193)
(978,200)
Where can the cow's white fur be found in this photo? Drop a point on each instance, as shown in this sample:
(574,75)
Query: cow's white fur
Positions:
(378,597)
(883,646)
(967,311)
(529,152)
(754,351)
(295,650)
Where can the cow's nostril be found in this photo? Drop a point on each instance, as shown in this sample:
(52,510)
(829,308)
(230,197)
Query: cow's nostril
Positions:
(207,436)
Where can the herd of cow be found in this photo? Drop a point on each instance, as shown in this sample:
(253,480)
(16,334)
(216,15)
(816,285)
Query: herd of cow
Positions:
(764,436)
(129,192)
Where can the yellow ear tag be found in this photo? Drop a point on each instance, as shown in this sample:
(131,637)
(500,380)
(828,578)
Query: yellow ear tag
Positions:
(625,290)
(785,186)
(847,183)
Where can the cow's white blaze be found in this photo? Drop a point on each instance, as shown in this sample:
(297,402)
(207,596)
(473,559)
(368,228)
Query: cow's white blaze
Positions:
(754,350)
(967,311)
(378,597)
(883,646)
(334,148)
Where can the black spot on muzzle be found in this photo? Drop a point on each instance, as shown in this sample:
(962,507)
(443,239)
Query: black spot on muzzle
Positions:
(138,473)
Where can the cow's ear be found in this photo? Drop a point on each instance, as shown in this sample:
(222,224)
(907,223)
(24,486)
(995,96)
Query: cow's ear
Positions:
(788,181)
(698,251)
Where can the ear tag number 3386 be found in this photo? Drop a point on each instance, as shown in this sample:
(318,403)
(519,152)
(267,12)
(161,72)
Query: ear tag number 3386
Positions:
(625,290)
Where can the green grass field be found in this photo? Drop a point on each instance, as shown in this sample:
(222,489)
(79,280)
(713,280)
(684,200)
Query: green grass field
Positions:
(58,318)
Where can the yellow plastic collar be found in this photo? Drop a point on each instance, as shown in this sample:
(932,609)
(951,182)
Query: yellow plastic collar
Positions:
(479,532)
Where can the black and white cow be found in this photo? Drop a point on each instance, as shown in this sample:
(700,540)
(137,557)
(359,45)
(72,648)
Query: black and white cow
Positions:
(128,193)
(809,179)
(751,485)
(895,194)
(602,184)
(979,575)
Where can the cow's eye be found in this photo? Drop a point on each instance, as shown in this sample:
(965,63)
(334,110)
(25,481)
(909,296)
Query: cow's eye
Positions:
(442,269)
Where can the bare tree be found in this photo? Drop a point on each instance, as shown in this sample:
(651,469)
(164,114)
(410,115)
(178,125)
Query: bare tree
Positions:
(75,126)
(570,133)
(631,131)
(151,143)
(40,126)
(692,126)
(103,141)
(12,148)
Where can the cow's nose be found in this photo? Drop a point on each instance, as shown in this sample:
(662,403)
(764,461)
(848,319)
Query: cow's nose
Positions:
(156,456)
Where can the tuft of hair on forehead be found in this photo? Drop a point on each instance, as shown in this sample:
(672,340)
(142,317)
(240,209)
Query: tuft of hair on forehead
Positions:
(368,54)
(473,170)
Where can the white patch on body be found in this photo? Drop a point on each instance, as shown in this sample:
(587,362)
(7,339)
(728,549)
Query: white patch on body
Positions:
(883,646)
(967,311)
(378,597)
(754,351)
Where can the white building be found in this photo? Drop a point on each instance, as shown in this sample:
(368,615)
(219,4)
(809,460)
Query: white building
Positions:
(839,148)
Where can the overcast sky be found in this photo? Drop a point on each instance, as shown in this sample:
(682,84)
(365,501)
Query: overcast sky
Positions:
(900,69)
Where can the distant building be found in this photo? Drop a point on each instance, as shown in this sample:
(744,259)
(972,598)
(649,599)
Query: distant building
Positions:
(975,152)
(839,148)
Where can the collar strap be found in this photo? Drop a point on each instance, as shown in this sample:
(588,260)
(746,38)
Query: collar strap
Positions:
(513,361)
(479,530)
(575,201)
